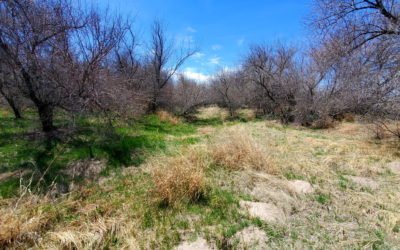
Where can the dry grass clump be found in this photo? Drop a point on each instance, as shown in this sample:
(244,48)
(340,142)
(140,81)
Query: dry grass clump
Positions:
(168,117)
(323,123)
(89,235)
(247,114)
(236,149)
(212,112)
(25,221)
(179,179)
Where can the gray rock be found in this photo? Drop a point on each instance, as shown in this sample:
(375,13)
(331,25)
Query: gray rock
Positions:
(264,211)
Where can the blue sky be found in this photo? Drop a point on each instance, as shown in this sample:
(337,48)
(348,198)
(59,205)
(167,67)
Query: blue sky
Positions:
(222,30)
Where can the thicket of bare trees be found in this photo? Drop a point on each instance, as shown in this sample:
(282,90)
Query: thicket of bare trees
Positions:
(56,54)
(353,67)
(188,95)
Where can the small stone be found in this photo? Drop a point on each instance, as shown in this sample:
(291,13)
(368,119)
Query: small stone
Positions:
(300,187)
(86,169)
(200,243)
(265,211)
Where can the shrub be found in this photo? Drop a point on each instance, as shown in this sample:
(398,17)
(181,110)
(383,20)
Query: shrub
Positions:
(179,180)
(348,117)
(386,128)
(379,132)
(237,150)
(324,122)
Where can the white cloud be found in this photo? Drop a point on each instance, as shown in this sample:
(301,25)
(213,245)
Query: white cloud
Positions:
(231,69)
(191,29)
(215,60)
(240,42)
(193,74)
(216,47)
(185,39)
(198,55)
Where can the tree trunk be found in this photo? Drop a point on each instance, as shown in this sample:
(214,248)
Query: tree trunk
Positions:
(15,109)
(46,117)
(152,108)
(12,104)
(231,112)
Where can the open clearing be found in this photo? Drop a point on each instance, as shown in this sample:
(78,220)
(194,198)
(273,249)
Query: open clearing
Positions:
(212,184)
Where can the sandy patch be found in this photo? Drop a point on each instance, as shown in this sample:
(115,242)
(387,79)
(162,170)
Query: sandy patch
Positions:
(364,182)
(249,238)
(394,167)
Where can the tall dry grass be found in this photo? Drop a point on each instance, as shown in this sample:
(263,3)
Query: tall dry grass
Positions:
(23,220)
(179,179)
(236,149)
(212,112)
(166,116)
(182,178)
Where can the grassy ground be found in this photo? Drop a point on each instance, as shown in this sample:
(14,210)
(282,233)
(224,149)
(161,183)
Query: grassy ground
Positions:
(165,182)
(127,143)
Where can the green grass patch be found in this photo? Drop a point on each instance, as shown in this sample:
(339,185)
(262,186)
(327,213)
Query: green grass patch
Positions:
(293,176)
(323,199)
(126,143)
(344,183)
(9,187)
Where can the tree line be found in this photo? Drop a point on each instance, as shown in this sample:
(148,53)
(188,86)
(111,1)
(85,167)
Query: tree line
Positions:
(56,54)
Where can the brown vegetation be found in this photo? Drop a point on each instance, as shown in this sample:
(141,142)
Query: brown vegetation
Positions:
(236,149)
(323,123)
(166,116)
(179,179)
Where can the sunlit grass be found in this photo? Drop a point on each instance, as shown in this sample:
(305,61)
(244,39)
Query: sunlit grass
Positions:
(126,207)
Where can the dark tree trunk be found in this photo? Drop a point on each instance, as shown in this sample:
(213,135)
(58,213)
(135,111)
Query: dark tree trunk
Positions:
(231,112)
(46,117)
(14,107)
(152,108)
(153,105)
(17,112)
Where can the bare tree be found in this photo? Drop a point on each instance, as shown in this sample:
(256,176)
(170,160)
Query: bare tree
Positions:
(29,31)
(273,70)
(230,90)
(362,37)
(95,43)
(130,77)
(164,61)
(362,21)
(58,52)
(188,95)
